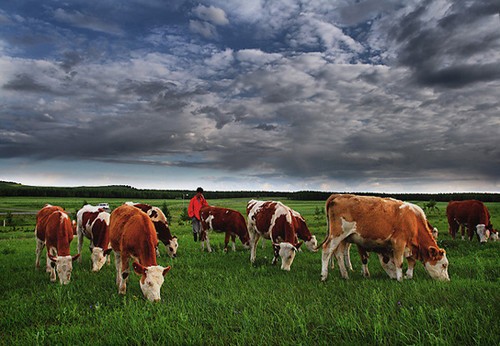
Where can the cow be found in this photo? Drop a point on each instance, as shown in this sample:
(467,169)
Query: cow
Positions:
(470,214)
(386,262)
(54,230)
(229,221)
(93,223)
(161,226)
(275,221)
(389,227)
(133,236)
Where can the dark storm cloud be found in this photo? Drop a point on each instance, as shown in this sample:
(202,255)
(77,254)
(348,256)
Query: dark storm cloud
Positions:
(26,83)
(325,95)
(440,51)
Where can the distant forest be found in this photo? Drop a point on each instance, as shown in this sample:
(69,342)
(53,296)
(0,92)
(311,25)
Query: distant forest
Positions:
(128,192)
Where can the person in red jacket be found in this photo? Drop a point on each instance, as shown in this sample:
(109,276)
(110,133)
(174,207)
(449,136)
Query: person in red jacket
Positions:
(195,204)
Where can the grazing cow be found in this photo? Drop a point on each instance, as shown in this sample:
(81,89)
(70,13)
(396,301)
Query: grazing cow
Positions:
(470,214)
(93,223)
(133,235)
(54,230)
(161,227)
(392,228)
(229,221)
(386,262)
(275,221)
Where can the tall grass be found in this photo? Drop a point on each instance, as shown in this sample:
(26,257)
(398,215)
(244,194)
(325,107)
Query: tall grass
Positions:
(219,298)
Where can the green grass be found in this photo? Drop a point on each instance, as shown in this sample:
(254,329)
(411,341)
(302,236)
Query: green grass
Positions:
(219,298)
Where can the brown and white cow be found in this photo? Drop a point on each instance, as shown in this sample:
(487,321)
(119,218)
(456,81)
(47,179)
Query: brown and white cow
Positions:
(133,236)
(386,262)
(54,230)
(392,228)
(274,221)
(229,221)
(470,214)
(93,223)
(161,226)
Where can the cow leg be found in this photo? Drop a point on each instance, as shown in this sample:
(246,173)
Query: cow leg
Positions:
(80,243)
(452,227)
(363,254)
(398,261)
(226,240)
(411,265)
(254,239)
(118,266)
(51,266)
(339,255)
(122,289)
(208,244)
(233,239)
(327,252)
(347,256)
(39,248)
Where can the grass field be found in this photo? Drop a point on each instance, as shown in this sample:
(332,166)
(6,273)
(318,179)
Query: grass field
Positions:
(219,298)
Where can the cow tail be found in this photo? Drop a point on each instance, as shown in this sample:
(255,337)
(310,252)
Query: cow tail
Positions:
(329,202)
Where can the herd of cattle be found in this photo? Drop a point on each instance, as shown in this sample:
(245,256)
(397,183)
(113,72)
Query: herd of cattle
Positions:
(393,229)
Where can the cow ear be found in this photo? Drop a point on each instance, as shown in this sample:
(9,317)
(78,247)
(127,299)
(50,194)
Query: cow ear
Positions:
(433,251)
(166,270)
(75,257)
(298,245)
(107,251)
(139,268)
(276,245)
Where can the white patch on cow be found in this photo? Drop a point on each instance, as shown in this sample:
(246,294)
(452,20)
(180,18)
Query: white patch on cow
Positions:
(435,233)
(439,271)
(494,236)
(209,220)
(153,282)
(98,258)
(415,208)
(287,253)
(172,248)
(482,232)
(312,244)
(348,227)
(104,216)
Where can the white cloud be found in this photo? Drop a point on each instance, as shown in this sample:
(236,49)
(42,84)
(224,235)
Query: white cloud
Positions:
(211,14)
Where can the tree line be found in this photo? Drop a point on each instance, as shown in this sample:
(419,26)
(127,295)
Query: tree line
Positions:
(129,192)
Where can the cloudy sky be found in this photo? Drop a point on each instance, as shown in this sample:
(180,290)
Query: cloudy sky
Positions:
(341,95)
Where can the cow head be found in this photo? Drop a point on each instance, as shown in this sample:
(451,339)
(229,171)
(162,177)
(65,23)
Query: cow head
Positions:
(63,266)
(482,232)
(287,253)
(99,256)
(312,244)
(437,264)
(151,280)
(172,247)
(435,233)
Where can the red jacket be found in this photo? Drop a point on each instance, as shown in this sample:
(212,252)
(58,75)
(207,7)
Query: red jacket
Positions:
(195,204)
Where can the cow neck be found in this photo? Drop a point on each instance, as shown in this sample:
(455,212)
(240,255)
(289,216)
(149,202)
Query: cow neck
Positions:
(64,238)
(423,242)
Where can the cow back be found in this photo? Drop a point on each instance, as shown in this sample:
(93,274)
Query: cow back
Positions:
(59,232)
(132,231)
(41,220)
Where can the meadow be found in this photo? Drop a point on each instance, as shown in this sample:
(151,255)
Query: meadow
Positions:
(220,298)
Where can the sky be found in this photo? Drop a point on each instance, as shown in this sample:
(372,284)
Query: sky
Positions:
(281,95)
